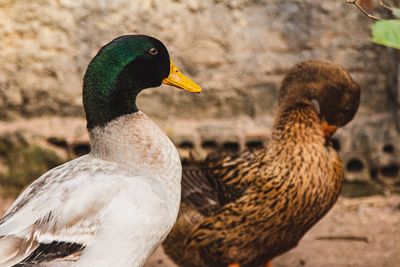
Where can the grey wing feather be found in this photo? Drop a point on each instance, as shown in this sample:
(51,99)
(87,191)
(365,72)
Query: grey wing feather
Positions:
(219,179)
(198,191)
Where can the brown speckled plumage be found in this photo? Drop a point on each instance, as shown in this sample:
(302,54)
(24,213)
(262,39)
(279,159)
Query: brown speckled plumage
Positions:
(250,208)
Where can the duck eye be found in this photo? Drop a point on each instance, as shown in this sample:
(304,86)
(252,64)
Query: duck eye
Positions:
(153,51)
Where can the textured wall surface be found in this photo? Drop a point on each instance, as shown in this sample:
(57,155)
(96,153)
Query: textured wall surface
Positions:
(237,50)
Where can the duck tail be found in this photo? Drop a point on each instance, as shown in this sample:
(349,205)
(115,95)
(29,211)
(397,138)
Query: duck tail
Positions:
(14,250)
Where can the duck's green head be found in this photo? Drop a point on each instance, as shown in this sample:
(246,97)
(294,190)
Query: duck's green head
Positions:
(120,70)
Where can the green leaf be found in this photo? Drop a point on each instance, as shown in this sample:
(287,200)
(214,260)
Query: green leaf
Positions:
(386,33)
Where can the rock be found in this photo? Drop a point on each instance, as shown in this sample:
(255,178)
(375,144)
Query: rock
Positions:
(238,51)
(22,162)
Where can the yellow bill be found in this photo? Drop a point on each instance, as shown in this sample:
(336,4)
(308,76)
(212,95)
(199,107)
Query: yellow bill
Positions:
(177,79)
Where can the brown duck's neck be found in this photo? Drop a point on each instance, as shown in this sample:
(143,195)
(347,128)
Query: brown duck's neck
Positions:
(297,123)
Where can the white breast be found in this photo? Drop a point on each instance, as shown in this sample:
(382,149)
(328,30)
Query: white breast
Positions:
(135,141)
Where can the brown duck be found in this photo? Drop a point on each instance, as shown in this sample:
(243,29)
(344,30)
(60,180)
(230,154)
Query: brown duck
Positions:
(245,210)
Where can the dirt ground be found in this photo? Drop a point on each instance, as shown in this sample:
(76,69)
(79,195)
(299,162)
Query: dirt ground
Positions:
(358,232)
(361,232)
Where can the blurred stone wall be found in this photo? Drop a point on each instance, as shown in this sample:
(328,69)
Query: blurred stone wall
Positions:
(238,50)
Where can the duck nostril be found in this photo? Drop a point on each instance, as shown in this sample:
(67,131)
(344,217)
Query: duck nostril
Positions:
(355,165)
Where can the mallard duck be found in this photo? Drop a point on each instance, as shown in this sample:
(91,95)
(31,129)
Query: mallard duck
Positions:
(115,205)
(244,210)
